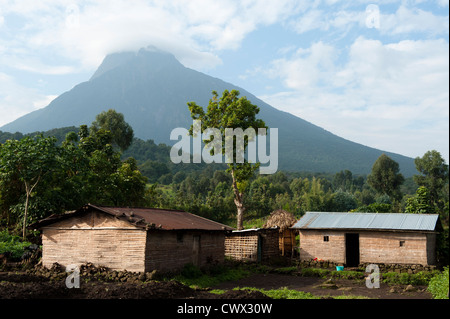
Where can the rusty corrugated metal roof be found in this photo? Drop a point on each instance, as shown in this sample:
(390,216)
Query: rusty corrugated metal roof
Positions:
(381,221)
(150,218)
(165,218)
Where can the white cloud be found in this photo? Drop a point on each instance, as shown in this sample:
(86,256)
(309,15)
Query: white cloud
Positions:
(44,101)
(307,68)
(86,31)
(17,100)
(366,88)
(63,37)
(408,20)
(390,96)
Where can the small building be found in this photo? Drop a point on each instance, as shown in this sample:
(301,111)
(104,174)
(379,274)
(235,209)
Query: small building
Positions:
(255,245)
(283,220)
(133,239)
(357,238)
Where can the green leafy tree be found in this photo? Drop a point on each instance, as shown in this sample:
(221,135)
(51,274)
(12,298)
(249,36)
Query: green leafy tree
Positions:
(233,112)
(434,175)
(31,160)
(343,180)
(129,184)
(109,180)
(343,201)
(316,199)
(420,203)
(121,132)
(38,177)
(386,178)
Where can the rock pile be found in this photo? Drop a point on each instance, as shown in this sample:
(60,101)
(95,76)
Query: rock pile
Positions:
(89,271)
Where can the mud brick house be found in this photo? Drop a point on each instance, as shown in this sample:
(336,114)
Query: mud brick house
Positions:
(135,239)
(256,245)
(356,238)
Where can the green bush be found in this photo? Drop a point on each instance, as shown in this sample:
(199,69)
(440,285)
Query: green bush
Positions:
(420,278)
(191,271)
(12,244)
(438,286)
(315,272)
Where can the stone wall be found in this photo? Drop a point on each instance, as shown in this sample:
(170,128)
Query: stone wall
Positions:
(399,268)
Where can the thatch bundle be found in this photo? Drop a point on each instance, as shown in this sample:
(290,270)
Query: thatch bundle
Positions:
(280,218)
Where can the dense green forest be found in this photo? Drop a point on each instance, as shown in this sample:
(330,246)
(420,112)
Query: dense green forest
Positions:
(85,166)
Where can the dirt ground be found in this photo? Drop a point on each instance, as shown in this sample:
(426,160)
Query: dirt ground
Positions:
(325,288)
(26,286)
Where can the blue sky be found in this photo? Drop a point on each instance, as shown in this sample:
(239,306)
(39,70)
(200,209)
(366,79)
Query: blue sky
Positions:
(374,72)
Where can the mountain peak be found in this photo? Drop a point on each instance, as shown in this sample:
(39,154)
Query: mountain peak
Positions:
(149,58)
(151,88)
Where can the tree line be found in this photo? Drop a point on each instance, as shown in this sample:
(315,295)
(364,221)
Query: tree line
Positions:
(39,177)
(104,164)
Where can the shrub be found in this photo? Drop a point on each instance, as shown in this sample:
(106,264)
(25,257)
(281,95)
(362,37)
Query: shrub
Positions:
(12,244)
(420,278)
(315,272)
(438,286)
(191,271)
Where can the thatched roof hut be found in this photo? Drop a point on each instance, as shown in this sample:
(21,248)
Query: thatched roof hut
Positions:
(284,221)
(280,218)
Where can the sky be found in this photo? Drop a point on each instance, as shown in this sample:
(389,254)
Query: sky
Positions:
(373,72)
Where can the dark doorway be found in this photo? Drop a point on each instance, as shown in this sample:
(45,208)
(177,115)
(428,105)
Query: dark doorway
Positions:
(351,250)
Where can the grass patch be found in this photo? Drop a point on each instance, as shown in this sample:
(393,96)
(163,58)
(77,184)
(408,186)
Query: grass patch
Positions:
(285,270)
(282,293)
(285,293)
(420,278)
(315,272)
(217,291)
(195,277)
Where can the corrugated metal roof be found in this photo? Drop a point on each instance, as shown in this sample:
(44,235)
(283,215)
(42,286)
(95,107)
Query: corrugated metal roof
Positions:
(164,218)
(385,221)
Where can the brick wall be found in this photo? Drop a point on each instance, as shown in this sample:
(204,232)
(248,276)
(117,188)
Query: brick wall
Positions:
(170,250)
(106,241)
(393,248)
(374,247)
(312,245)
(113,248)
